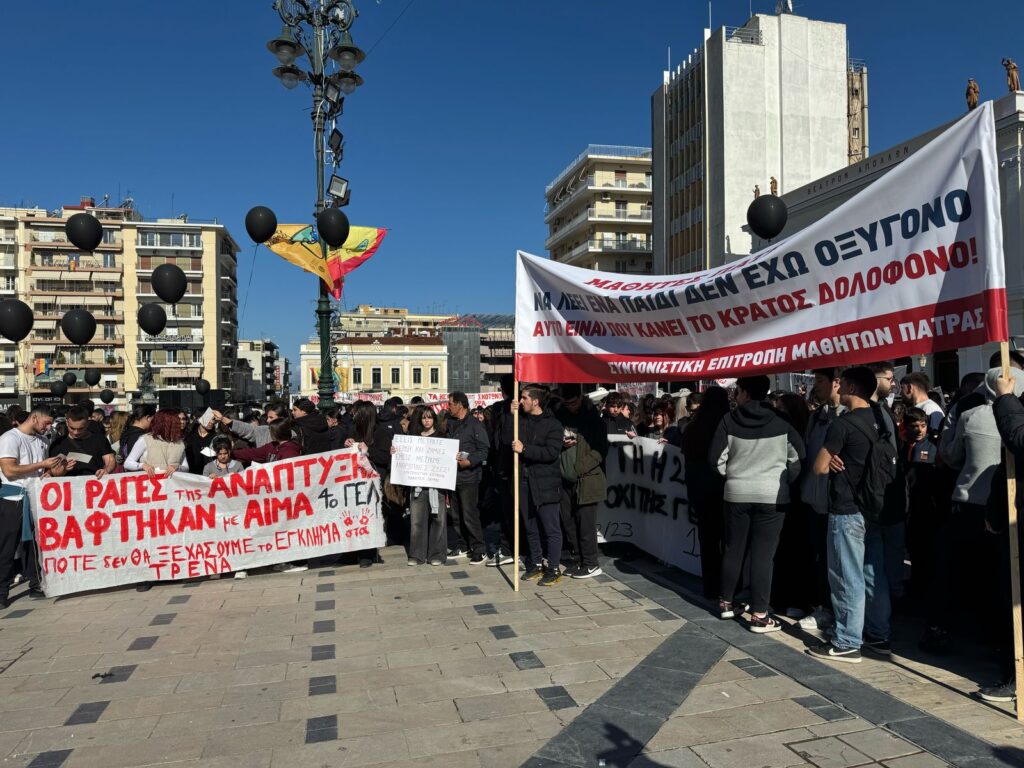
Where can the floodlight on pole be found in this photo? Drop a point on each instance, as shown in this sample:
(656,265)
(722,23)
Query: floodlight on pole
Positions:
(339,190)
(335,140)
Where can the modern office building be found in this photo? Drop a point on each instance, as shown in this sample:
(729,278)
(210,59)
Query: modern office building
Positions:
(810,202)
(599,210)
(777,98)
(39,266)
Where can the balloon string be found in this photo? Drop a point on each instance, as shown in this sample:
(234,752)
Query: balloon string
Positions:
(252,272)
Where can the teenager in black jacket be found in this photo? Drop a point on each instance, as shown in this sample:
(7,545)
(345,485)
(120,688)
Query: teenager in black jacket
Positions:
(540,484)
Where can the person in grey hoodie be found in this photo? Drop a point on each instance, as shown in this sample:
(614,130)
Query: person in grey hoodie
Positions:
(973,447)
(759,455)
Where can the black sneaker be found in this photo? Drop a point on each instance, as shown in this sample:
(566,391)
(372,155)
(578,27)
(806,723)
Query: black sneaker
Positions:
(1003,692)
(583,572)
(550,578)
(829,652)
(36,594)
(726,609)
(477,559)
(533,572)
(763,624)
(879,647)
(499,559)
(456,553)
(936,641)
(144,586)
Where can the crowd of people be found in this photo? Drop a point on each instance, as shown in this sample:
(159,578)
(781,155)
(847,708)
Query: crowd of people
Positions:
(835,507)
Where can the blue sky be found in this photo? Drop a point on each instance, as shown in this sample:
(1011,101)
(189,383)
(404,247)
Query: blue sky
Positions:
(470,107)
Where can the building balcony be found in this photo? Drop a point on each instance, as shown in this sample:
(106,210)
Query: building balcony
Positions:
(618,186)
(8,363)
(81,363)
(59,314)
(610,245)
(60,340)
(147,271)
(8,238)
(57,239)
(71,263)
(148,294)
(164,340)
(591,215)
(76,289)
(8,261)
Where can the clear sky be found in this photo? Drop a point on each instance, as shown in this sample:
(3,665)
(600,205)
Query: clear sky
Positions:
(470,108)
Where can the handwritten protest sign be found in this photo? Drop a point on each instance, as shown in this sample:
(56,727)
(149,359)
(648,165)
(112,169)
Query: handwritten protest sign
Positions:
(909,266)
(126,528)
(647,502)
(424,462)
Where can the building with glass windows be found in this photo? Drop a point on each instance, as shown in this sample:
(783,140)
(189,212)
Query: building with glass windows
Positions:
(39,266)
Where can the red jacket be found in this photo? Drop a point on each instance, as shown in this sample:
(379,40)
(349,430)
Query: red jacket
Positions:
(289,449)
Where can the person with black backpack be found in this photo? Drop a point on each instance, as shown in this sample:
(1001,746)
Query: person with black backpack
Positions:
(860,455)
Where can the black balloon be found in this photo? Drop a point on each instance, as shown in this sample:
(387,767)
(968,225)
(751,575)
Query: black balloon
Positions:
(107,396)
(70,378)
(152,319)
(767,216)
(92,377)
(260,223)
(58,388)
(84,231)
(202,386)
(15,319)
(169,283)
(333,227)
(79,326)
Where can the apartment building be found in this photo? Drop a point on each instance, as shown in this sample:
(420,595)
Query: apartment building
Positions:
(599,210)
(52,277)
(776,98)
(263,357)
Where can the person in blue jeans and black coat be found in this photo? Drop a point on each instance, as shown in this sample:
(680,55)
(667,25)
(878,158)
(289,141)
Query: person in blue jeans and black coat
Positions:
(759,454)
(540,484)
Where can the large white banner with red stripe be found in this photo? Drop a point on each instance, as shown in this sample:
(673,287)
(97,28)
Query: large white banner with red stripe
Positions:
(913,264)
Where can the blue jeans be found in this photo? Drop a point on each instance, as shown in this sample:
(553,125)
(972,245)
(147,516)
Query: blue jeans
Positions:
(856,576)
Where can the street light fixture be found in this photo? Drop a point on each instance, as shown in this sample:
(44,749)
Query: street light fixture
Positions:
(286,47)
(319,31)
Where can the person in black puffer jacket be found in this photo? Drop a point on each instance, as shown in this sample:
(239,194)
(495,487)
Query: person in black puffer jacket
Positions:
(540,483)
(311,427)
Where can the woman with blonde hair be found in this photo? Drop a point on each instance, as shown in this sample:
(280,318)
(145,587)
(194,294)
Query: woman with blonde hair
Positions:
(115,428)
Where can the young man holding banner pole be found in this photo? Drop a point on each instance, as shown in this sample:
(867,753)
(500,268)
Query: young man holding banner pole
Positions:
(1009,414)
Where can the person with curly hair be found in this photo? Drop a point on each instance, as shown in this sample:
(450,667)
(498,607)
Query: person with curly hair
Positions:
(162,449)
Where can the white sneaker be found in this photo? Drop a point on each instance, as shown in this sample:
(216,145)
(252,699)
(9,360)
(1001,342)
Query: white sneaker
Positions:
(290,568)
(821,618)
(241,574)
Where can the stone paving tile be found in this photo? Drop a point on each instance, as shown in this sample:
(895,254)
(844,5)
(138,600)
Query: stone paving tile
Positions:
(383,749)
(879,744)
(766,750)
(450,689)
(740,722)
(478,734)
(499,705)
(920,760)
(123,708)
(670,758)
(74,736)
(830,752)
(219,718)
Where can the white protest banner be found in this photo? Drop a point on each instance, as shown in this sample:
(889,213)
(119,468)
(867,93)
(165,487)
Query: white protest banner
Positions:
(911,265)
(647,502)
(439,400)
(424,462)
(130,527)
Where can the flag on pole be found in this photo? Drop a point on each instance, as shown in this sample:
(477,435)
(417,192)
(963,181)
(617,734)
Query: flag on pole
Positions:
(42,366)
(300,244)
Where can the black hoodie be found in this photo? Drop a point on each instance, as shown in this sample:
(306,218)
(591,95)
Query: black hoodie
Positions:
(313,435)
(540,470)
(129,437)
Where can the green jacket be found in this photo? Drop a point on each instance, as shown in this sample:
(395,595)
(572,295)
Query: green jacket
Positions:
(583,472)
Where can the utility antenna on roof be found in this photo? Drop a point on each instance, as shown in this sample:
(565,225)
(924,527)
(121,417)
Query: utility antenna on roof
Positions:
(783,6)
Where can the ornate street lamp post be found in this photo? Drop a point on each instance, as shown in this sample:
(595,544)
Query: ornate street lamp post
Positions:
(319,31)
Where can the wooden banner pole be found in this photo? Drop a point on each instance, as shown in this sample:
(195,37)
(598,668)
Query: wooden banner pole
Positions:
(515,489)
(1011,495)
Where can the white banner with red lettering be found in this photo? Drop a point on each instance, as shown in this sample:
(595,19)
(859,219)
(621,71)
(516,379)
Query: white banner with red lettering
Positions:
(130,527)
(439,400)
(913,264)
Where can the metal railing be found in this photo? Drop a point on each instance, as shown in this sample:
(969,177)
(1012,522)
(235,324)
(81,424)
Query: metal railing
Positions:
(66,262)
(602,150)
(856,65)
(625,215)
(639,246)
(743,35)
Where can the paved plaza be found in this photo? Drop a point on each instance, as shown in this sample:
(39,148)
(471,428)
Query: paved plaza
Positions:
(446,666)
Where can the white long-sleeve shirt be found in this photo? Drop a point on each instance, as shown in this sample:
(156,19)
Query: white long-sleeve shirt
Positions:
(136,458)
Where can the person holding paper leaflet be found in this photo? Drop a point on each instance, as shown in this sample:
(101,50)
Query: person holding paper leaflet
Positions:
(281,445)
(91,452)
(428,507)
(23,456)
(258,435)
(162,450)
